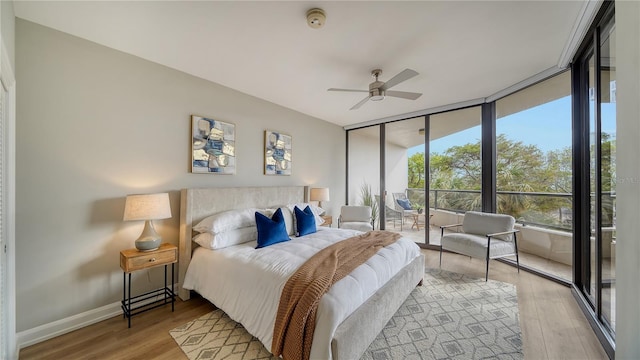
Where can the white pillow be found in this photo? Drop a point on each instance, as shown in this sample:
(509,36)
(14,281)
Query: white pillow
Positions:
(317,209)
(286,214)
(314,210)
(226,238)
(227,220)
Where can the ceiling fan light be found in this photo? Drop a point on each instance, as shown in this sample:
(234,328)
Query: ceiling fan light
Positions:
(376,95)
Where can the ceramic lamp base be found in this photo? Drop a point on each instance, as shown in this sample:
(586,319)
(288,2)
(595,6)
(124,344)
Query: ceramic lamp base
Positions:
(149,240)
(148,244)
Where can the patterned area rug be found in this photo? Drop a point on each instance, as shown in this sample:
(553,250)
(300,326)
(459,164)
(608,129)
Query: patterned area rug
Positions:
(452,316)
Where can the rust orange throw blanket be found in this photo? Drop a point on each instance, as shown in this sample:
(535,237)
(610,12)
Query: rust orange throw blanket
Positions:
(296,318)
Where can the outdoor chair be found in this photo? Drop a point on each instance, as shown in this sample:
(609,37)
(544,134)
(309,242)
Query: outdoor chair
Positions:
(403,205)
(355,218)
(485,236)
(390,213)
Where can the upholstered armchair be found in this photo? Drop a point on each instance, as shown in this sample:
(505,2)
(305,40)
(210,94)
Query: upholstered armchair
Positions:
(484,236)
(355,218)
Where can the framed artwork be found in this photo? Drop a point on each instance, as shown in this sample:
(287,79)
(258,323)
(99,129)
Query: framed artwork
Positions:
(277,153)
(213,146)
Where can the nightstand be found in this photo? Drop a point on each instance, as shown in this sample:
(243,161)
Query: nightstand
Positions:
(133,260)
(328,220)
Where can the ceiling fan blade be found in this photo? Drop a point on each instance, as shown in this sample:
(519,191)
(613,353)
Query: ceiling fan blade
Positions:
(357,106)
(348,90)
(404,75)
(403,94)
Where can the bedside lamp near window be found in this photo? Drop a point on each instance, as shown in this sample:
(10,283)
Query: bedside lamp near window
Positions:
(319,195)
(147,207)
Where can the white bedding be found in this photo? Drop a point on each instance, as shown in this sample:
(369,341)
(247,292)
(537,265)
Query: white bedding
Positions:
(246,283)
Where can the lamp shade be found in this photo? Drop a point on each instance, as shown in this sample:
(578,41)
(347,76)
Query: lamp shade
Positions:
(147,207)
(319,194)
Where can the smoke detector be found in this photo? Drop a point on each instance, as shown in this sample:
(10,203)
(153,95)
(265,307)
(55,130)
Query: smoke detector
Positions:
(316,18)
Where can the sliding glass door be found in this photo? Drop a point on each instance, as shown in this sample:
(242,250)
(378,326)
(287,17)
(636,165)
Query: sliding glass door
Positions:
(607,206)
(595,180)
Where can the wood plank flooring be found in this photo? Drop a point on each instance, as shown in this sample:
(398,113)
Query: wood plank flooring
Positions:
(553,327)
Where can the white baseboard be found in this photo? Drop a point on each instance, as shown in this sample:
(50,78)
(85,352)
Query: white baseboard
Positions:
(60,327)
(63,326)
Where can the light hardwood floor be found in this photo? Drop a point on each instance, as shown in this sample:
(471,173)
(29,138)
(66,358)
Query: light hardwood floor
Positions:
(553,327)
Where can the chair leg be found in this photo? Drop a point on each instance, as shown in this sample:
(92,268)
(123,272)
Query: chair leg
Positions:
(441,235)
(515,242)
(486,275)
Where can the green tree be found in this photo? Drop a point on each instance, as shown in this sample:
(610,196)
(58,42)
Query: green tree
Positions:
(520,168)
(608,178)
(416,171)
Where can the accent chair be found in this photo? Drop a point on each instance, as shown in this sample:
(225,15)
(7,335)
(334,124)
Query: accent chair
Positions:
(484,236)
(355,218)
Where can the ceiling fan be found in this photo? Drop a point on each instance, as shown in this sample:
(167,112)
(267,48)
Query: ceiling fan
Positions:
(379,89)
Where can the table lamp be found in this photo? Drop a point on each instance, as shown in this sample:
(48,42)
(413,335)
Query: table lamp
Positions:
(319,195)
(147,207)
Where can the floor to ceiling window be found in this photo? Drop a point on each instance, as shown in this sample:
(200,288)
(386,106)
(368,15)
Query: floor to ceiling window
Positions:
(595,180)
(405,179)
(455,170)
(364,168)
(533,172)
(608,170)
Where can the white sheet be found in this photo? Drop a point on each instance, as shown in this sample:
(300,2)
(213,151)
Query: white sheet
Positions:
(246,283)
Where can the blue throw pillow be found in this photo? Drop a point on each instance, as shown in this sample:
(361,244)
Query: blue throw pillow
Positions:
(271,231)
(305,221)
(404,203)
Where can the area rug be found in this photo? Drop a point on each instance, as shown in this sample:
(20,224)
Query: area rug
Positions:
(452,316)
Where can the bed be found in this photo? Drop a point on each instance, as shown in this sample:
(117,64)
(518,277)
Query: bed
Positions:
(344,329)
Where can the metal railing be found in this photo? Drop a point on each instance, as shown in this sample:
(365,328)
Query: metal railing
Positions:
(542,209)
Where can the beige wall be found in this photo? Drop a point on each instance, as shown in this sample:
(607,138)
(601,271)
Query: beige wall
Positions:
(628,181)
(95,124)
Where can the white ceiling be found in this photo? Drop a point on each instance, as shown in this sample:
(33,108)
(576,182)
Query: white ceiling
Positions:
(462,49)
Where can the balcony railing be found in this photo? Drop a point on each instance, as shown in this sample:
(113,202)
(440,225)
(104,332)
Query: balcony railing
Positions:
(542,209)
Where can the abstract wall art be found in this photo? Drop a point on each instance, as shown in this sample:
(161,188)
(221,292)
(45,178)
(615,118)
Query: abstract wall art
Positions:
(277,153)
(213,146)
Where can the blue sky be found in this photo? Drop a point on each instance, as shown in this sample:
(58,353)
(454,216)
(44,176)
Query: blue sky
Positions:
(547,126)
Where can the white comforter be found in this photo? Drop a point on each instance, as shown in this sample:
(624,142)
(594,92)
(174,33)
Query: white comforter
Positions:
(246,283)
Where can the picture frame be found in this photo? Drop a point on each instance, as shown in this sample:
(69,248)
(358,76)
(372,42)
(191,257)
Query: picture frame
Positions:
(277,153)
(213,146)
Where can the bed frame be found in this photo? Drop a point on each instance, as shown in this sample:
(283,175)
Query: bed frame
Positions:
(354,334)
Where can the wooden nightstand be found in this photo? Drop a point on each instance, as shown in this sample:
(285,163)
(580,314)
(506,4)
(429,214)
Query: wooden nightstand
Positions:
(133,260)
(328,220)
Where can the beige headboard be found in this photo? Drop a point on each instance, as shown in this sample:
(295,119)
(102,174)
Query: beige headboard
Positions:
(196,204)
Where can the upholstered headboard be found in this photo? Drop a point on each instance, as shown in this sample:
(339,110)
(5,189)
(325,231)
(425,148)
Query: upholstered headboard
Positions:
(196,204)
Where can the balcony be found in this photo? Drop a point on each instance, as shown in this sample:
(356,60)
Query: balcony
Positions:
(545,238)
